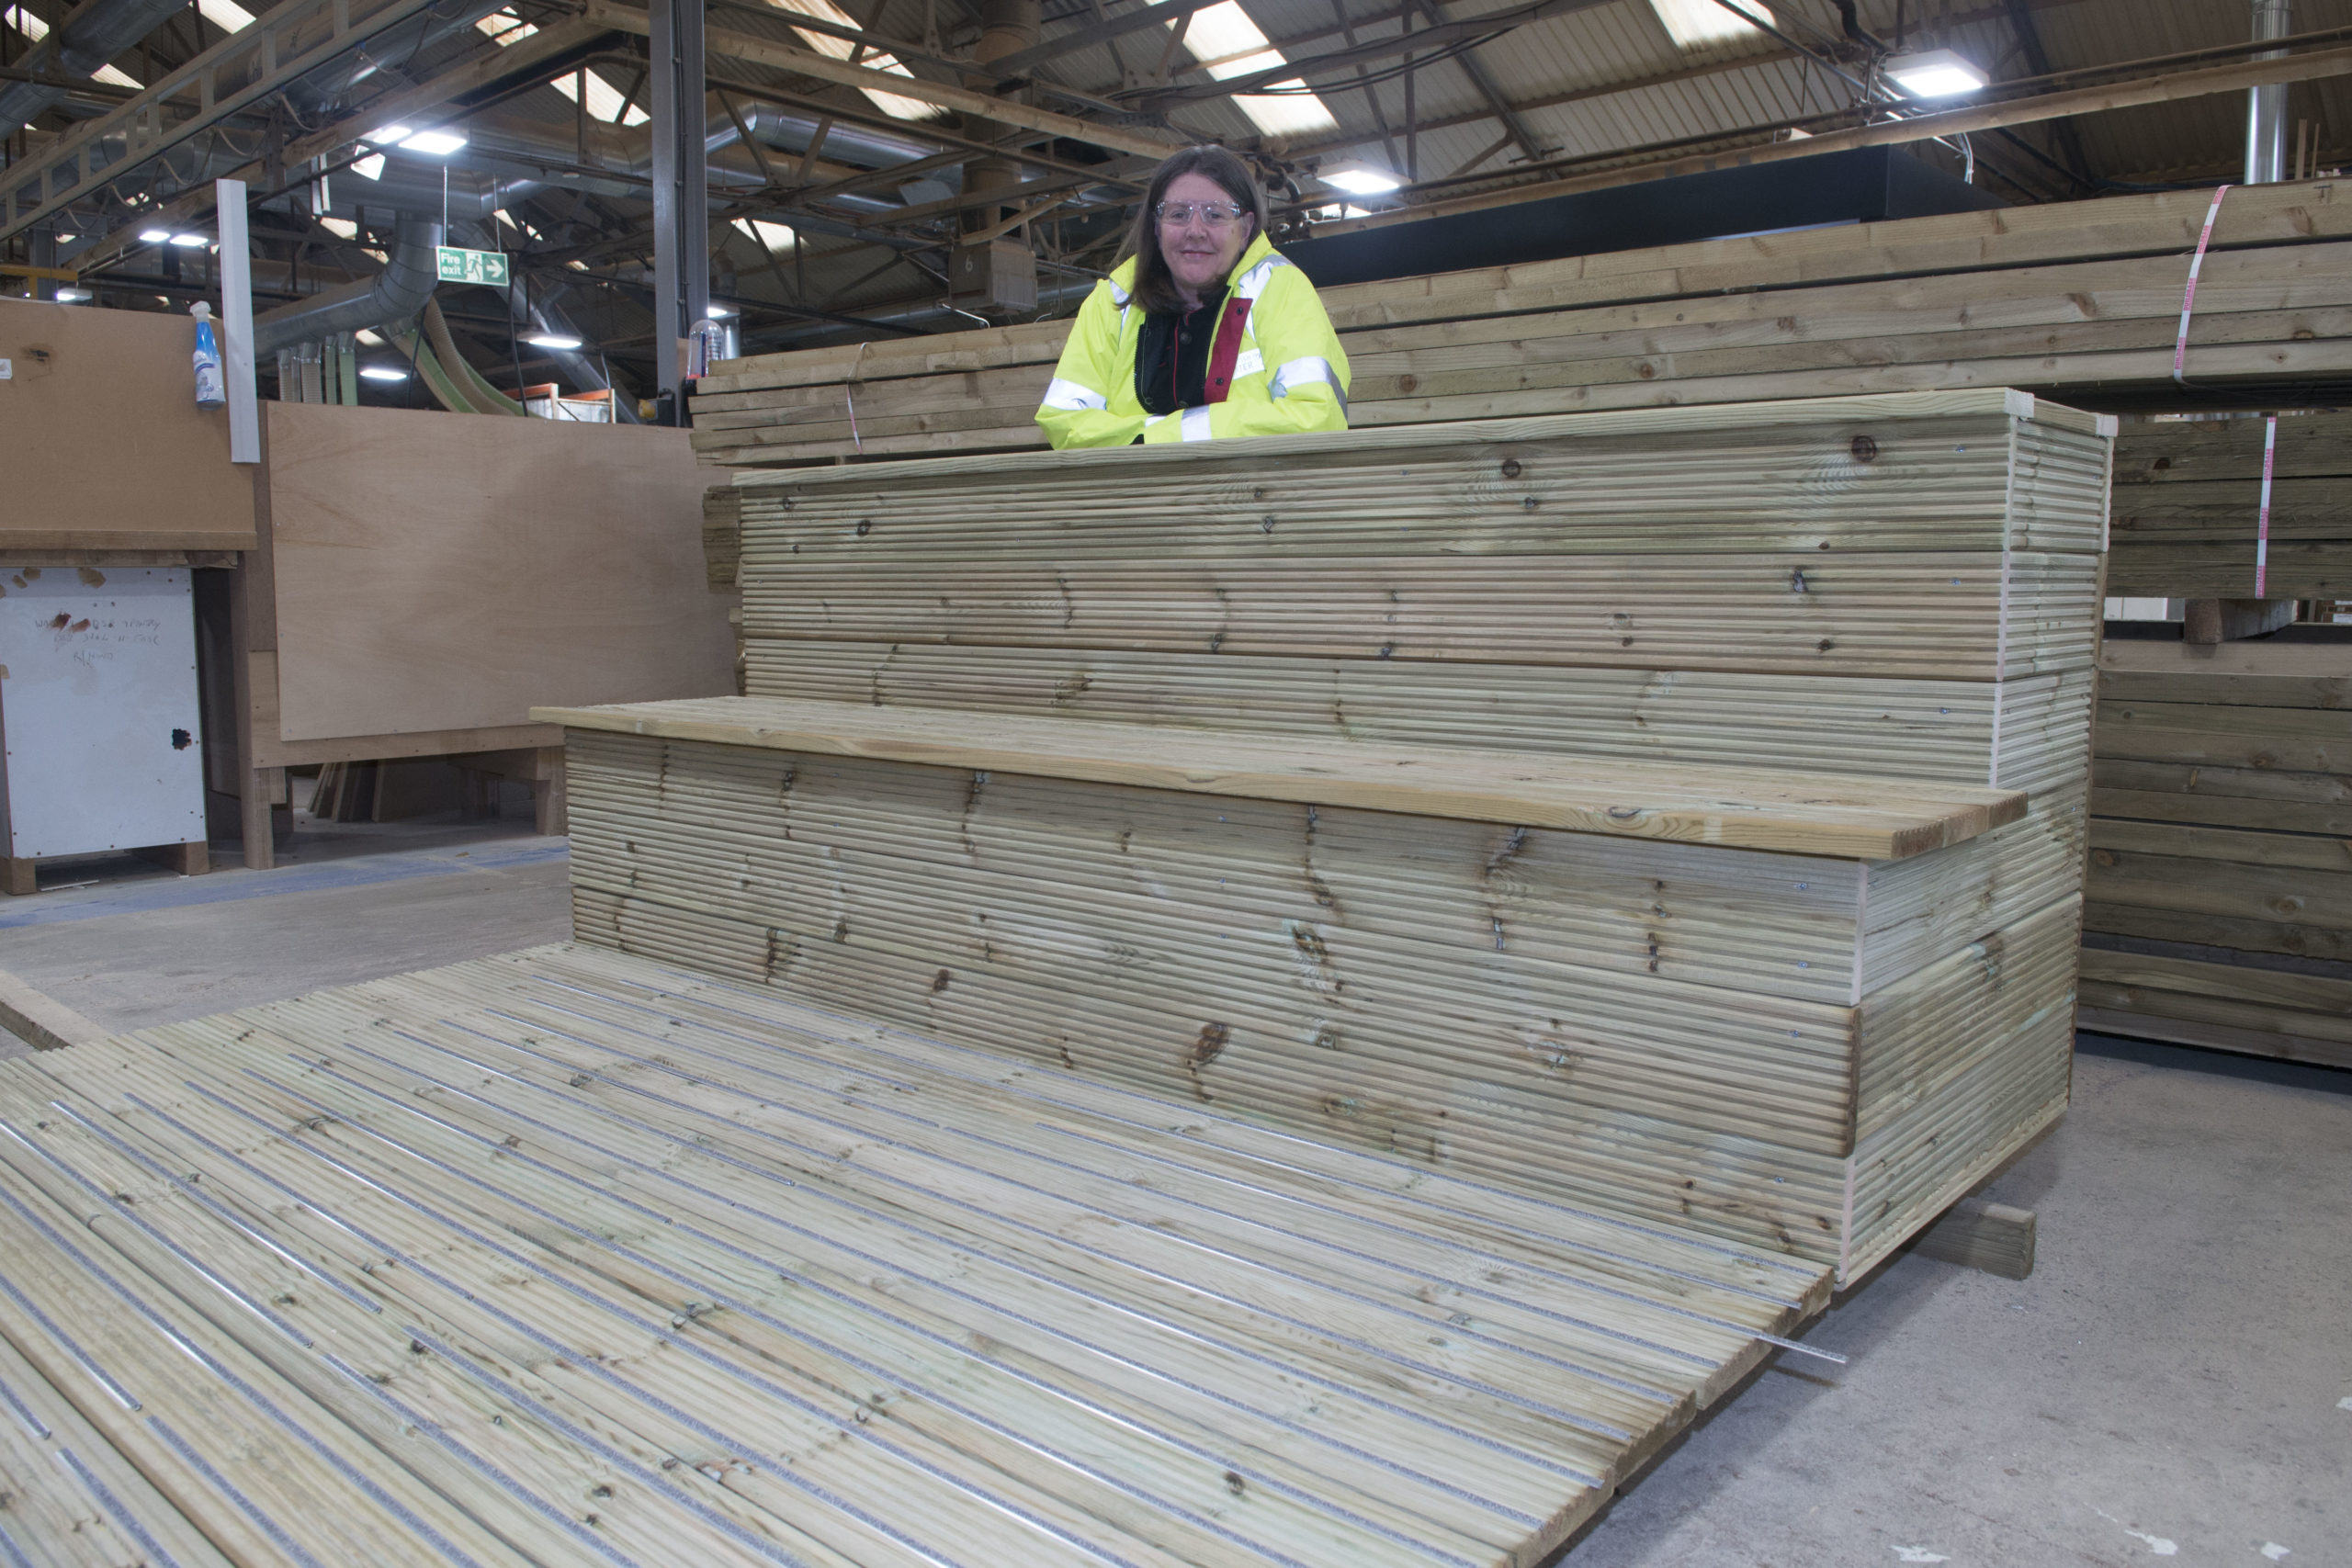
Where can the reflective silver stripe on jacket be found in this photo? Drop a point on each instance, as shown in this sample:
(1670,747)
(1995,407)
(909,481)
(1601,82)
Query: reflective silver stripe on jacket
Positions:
(1196,424)
(1070,397)
(1253,282)
(1301,372)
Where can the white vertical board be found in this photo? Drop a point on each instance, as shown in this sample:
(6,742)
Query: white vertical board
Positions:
(98,714)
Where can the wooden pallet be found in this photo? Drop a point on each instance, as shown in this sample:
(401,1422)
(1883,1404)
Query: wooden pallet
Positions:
(567,1256)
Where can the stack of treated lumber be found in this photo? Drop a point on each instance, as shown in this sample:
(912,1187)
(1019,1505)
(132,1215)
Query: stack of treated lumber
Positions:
(2219,892)
(566,1258)
(1673,812)
(2079,296)
(2188,508)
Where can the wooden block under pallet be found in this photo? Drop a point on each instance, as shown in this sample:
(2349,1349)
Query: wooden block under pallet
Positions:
(1980,1234)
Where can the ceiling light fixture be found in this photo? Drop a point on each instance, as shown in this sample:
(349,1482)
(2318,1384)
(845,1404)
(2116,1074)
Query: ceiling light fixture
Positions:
(551,340)
(391,135)
(72,296)
(191,240)
(1937,74)
(717,312)
(1362,179)
(434,143)
(382,373)
(154,236)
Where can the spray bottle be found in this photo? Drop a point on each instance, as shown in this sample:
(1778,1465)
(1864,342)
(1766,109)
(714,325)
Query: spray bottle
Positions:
(211,387)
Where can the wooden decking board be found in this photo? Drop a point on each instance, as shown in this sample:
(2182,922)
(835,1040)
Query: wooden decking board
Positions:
(1037,1318)
(1828,814)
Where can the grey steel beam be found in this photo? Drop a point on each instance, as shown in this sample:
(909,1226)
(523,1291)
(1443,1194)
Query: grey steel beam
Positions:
(681,193)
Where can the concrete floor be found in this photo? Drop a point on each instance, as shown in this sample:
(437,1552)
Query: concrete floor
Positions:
(2175,1380)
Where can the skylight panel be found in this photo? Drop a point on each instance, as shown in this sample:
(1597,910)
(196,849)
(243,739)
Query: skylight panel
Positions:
(1226,34)
(1698,24)
(33,27)
(776,237)
(226,15)
(603,99)
(891,104)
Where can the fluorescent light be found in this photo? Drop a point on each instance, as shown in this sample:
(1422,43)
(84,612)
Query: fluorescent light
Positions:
(226,15)
(369,337)
(1362,181)
(342,228)
(717,312)
(434,143)
(371,167)
(154,236)
(391,135)
(1696,24)
(382,373)
(551,340)
(72,296)
(191,240)
(1938,73)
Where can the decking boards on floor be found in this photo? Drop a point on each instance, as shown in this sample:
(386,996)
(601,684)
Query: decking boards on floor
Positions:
(566,1257)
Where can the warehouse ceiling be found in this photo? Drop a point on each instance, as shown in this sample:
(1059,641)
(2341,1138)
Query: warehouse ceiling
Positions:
(840,129)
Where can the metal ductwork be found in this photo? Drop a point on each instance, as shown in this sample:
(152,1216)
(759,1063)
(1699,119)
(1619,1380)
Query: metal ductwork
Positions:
(2265,109)
(86,42)
(393,295)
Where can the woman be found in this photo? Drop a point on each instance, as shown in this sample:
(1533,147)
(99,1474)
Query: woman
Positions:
(1202,331)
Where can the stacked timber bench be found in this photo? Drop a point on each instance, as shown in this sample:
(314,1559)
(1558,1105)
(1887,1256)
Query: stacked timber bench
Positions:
(1776,1042)
(1302,1001)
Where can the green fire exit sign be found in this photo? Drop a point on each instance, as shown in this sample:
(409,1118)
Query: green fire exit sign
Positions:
(473,266)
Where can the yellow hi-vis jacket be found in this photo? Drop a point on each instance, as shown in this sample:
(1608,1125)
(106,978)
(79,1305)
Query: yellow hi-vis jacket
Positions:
(1275,366)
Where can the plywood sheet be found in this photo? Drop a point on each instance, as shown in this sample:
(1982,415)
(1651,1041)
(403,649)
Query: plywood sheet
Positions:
(440,572)
(104,445)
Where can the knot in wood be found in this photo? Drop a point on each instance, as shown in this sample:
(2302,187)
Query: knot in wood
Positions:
(1510,467)
(865,527)
(1864,448)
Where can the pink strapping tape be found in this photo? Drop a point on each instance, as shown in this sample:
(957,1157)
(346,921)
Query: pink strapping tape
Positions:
(2262,520)
(2188,296)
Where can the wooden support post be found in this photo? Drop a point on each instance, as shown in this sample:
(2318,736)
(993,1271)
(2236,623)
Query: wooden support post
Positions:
(260,813)
(2228,620)
(189,860)
(550,809)
(1977,1235)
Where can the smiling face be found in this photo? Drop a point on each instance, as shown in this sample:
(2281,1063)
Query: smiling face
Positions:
(1199,255)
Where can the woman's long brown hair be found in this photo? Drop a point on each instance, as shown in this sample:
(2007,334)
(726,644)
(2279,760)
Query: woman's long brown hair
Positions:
(1155,289)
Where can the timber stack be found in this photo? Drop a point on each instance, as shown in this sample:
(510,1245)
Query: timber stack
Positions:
(2220,889)
(1678,812)
(2083,298)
